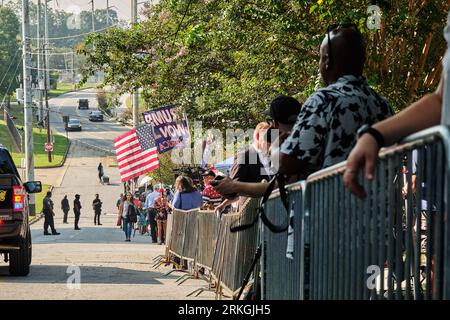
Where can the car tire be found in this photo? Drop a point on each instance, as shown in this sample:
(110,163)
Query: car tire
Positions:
(20,260)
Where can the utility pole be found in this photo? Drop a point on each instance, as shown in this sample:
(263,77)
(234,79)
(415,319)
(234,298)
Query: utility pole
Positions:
(27,103)
(107,13)
(47,75)
(93,15)
(73,69)
(39,63)
(135,95)
(48,110)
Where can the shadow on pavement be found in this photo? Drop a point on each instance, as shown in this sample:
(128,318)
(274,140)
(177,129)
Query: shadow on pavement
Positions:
(90,235)
(54,274)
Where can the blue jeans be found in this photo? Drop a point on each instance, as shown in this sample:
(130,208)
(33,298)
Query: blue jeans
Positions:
(127,228)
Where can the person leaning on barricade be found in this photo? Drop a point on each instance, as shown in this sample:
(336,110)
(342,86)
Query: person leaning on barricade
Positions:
(253,164)
(325,130)
(186,195)
(422,114)
(211,198)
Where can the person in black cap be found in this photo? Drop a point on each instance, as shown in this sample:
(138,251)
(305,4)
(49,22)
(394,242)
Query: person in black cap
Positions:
(77,210)
(283,112)
(327,128)
(253,164)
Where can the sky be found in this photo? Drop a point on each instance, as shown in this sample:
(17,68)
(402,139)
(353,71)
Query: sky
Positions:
(123,7)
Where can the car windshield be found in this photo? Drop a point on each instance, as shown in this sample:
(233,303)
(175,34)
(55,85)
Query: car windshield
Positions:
(74,121)
(96,113)
(6,163)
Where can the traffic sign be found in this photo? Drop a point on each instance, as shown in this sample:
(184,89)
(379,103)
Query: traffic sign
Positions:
(48,147)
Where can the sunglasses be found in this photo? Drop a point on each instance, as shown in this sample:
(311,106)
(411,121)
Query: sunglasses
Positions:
(335,27)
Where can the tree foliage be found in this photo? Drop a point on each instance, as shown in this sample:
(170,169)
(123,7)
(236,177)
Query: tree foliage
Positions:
(10,55)
(225,60)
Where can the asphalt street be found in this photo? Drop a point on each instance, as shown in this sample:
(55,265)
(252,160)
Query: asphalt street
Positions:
(107,267)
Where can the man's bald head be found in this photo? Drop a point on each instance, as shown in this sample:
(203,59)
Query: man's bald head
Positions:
(346,55)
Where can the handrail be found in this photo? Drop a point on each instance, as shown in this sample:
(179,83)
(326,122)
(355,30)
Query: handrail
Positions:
(408,143)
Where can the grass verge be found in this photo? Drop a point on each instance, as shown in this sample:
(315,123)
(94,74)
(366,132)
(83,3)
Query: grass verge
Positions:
(39,139)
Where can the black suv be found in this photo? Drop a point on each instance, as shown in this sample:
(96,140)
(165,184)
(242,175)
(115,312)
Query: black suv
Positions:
(15,235)
(83,104)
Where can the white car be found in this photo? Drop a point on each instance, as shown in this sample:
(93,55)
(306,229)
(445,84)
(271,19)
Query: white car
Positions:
(73,125)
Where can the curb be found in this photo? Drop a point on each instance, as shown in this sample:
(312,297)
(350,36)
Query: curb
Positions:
(59,165)
(63,161)
(40,214)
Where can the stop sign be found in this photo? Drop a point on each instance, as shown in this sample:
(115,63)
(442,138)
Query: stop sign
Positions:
(48,147)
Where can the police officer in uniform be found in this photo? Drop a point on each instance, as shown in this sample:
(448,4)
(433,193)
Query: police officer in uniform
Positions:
(47,206)
(77,210)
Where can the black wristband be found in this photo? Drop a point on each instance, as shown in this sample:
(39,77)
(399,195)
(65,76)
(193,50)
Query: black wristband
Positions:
(374,133)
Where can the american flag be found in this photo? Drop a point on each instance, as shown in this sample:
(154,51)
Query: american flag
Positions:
(136,152)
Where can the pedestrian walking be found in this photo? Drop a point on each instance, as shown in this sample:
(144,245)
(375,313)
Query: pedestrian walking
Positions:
(101,172)
(121,203)
(77,210)
(47,207)
(129,215)
(97,206)
(65,208)
(162,208)
(151,212)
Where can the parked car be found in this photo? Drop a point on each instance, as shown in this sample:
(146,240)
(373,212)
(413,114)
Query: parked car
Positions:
(83,104)
(96,115)
(73,125)
(15,234)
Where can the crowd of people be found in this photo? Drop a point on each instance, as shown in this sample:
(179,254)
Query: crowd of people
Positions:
(345,120)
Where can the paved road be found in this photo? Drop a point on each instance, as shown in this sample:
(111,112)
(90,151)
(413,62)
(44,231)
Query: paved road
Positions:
(99,134)
(109,267)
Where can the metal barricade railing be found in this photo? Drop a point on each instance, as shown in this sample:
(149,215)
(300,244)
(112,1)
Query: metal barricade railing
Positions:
(389,246)
(176,245)
(235,251)
(282,275)
(392,245)
(208,226)
(190,243)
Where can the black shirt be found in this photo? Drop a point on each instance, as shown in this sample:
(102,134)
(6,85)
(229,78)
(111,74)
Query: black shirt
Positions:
(97,204)
(247,167)
(76,205)
(65,204)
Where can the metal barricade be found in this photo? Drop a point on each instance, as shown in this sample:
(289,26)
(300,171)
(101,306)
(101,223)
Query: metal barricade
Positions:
(178,231)
(190,243)
(282,277)
(208,226)
(235,251)
(395,243)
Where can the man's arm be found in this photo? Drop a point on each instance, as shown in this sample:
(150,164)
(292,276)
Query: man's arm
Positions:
(248,189)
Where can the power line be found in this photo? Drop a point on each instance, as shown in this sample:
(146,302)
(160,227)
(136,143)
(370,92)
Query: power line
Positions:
(10,64)
(49,69)
(10,83)
(51,54)
(77,35)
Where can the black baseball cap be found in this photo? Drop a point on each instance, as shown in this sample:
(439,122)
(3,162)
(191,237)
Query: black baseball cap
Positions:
(284,109)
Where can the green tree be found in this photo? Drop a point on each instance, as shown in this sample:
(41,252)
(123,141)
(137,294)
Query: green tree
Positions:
(224,61)
(10,53)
